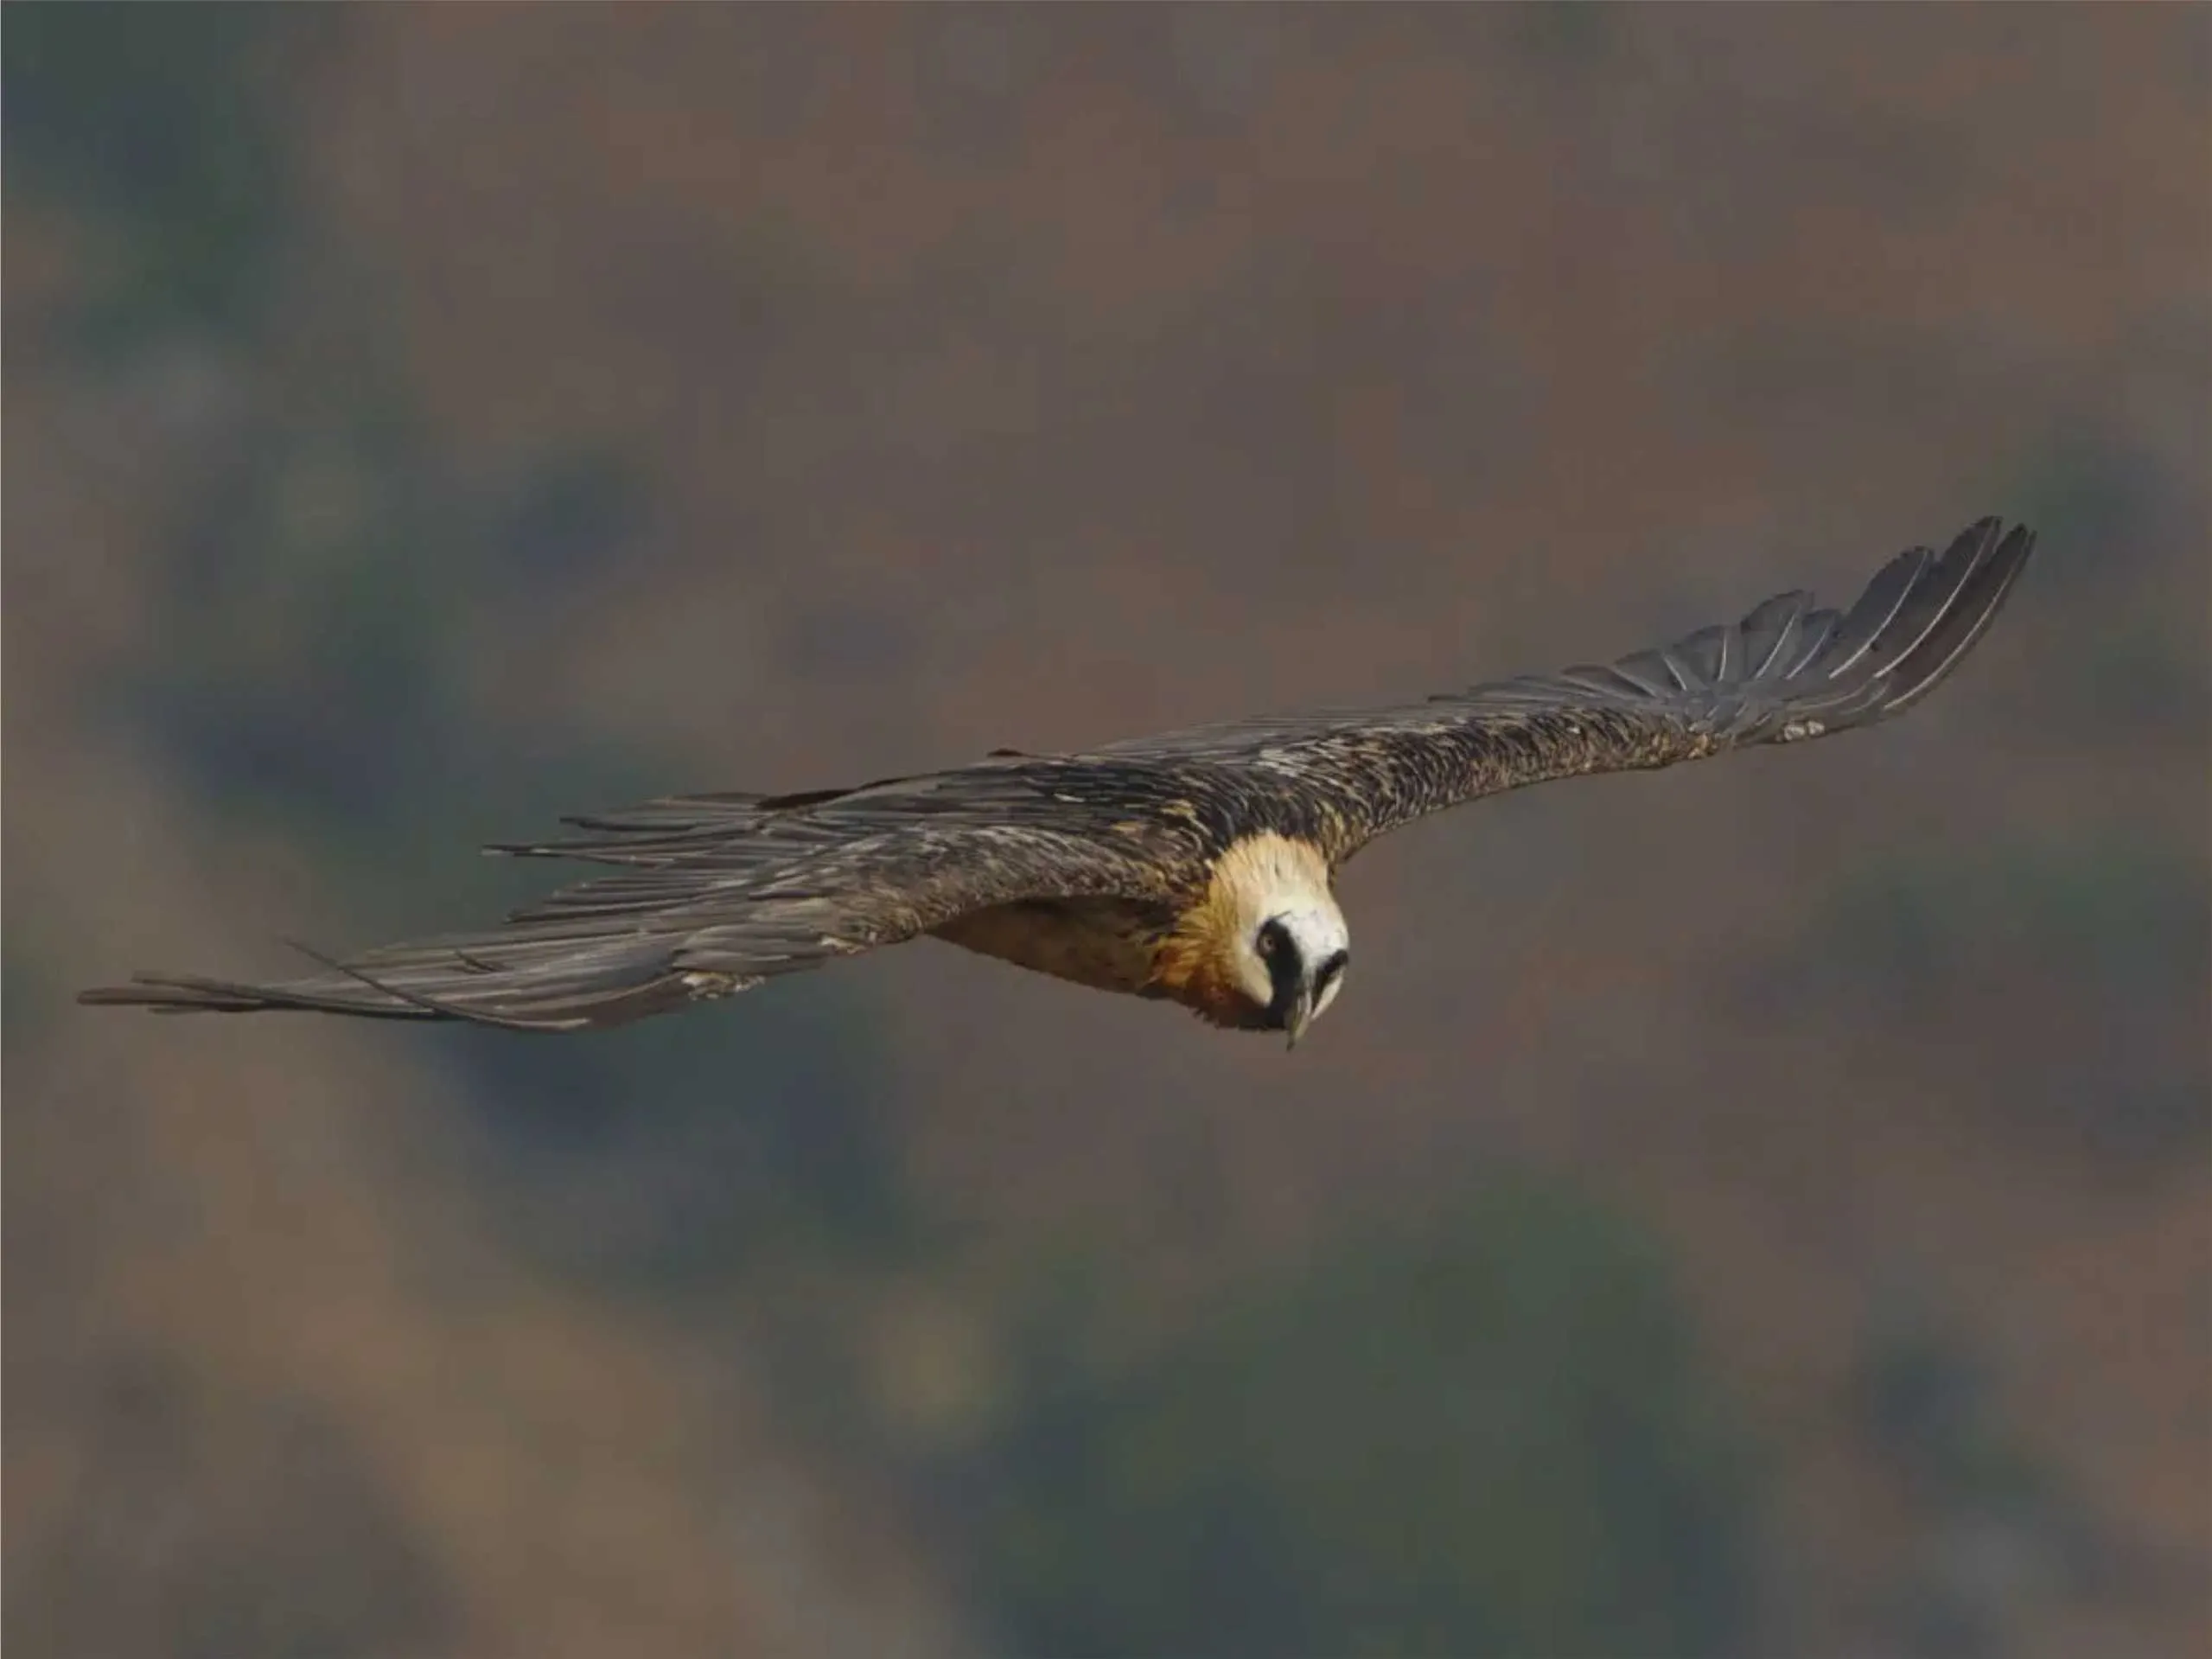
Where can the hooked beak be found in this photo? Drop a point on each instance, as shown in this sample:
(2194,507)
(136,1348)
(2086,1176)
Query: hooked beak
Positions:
(1300,1015)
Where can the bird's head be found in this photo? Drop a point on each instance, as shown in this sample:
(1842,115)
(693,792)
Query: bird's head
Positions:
(1294,964)
(1265,949)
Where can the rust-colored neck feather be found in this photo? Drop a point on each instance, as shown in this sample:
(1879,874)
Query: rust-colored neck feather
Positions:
(1201,964)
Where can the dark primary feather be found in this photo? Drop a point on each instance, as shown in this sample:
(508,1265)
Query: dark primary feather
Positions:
(714,893)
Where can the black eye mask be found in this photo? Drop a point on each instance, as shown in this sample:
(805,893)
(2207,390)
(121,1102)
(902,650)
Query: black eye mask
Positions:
(1285,970)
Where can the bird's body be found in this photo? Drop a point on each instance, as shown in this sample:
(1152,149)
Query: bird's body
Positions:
(1195,867)
(1106,944)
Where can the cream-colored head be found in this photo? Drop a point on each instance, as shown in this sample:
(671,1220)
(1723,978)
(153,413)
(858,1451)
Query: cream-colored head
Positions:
(1266,948)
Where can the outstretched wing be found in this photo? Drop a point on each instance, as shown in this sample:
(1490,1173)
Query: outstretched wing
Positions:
(1789,671)
(732,890)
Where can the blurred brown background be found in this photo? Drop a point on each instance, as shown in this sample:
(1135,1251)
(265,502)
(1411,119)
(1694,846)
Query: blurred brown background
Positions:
(1758,1209)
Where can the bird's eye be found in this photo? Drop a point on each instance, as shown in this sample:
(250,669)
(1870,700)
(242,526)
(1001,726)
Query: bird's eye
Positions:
(1271,938)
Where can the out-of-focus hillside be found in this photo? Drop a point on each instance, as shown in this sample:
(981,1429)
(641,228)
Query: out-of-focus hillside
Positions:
(1760,1209)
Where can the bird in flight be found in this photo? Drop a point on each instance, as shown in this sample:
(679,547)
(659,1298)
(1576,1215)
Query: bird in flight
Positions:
(1194,866)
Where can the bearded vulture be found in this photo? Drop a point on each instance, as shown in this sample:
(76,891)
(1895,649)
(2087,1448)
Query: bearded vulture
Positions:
(1195,867)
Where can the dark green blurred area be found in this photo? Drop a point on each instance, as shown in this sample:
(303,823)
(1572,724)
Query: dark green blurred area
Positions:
(1482,1434)
(1491,1427)
(152,122)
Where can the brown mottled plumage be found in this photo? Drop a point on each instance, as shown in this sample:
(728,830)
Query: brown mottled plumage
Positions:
(1193,867)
